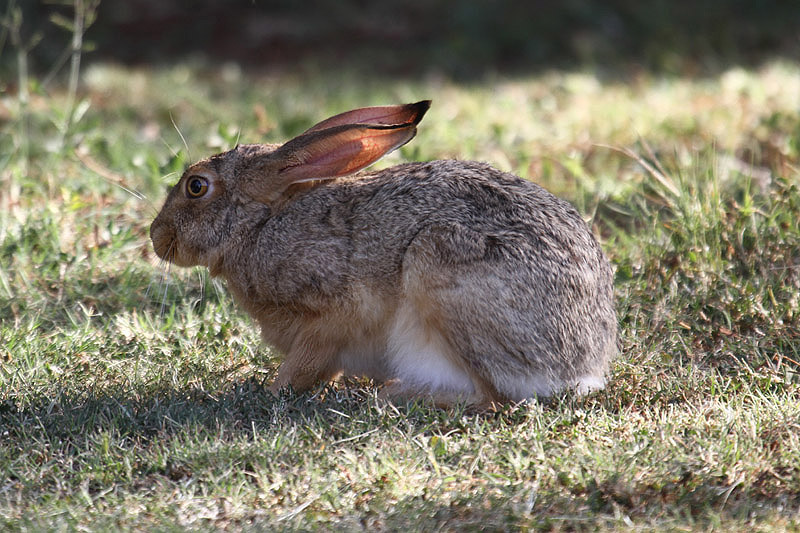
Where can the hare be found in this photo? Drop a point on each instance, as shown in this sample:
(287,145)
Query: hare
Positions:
(447,280)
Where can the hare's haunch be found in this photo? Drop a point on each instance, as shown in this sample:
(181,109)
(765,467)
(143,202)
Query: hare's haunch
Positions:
(445,279)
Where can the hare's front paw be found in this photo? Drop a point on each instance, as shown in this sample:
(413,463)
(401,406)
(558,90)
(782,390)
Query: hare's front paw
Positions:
(276,388)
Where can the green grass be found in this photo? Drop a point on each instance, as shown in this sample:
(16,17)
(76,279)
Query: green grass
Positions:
(134,400)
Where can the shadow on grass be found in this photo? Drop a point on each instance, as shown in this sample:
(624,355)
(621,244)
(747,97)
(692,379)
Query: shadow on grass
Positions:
(67,429)
(239,407)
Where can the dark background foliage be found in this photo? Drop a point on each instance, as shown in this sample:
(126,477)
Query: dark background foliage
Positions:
(462,39)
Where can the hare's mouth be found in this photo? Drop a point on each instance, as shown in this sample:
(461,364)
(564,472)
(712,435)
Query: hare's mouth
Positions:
(164,243)
(171,252)
(170,249)
(166,253)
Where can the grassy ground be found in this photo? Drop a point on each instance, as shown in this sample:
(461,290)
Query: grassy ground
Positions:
(131,400)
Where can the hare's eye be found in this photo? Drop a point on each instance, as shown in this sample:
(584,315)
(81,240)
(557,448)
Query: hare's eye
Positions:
(196,186)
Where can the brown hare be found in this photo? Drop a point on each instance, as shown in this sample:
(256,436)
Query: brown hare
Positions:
(448,280)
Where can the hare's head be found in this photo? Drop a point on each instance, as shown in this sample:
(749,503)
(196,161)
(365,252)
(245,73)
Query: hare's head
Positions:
(218,196)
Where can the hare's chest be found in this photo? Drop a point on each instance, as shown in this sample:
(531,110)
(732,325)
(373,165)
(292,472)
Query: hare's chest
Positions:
(365,359)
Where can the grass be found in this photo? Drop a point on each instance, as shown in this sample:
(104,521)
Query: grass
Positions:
(132,400)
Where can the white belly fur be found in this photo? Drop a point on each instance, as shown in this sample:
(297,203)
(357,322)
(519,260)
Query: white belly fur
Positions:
(418,356)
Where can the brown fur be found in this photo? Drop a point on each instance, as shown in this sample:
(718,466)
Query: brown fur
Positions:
(451,280)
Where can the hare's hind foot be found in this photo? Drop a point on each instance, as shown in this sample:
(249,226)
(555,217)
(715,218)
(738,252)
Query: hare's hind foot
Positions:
(589,384)
(398,392)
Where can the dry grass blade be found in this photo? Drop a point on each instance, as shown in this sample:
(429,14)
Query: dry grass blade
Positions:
(655,170)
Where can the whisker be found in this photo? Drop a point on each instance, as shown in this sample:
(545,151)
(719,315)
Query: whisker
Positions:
(165,267)
(201,275)
(165,176)
(160,278)
(177,129)
(172,150)
(152,280)
(106,173)
(166,287)
(158,266)
(147,290)
(165,179)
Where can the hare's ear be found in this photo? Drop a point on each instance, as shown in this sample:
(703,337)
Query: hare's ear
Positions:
(337,151)
(390,115)
(330,150)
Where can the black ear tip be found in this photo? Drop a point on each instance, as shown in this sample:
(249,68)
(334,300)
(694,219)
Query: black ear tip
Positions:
(420,109)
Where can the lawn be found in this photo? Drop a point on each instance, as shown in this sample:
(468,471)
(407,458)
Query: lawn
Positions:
(133,395)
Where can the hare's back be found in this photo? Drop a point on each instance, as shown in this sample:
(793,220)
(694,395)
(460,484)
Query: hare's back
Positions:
(509,211)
